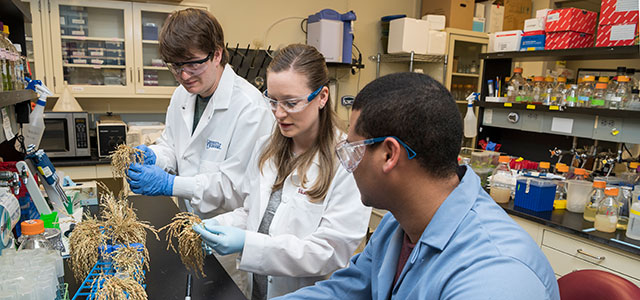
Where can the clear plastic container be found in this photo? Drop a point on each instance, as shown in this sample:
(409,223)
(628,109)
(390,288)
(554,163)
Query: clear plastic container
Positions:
(572,96)
(516,83)
(633,229)
(624,199)
(577,195)
(594,200)
(549,85)
(525,92)
(607,213)
(537,94)
(559,93)
(622,95)
(33,236)
(561,185)
(585,91)
(599,99)
(503,182)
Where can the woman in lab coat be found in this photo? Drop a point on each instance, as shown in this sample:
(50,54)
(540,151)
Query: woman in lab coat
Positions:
(302,217)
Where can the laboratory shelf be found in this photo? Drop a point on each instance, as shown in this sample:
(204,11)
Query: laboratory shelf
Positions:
(622,52)
(344,65)
(91,38)
(14,10)
(153,42)
(619,113)
(93,66)
(408,57)
(155,68)
(466,75)
(13,97)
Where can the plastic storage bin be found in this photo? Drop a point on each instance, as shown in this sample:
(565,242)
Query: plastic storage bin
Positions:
(535,194)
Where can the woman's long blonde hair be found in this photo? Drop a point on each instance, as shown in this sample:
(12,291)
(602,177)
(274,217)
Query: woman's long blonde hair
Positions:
(310,63)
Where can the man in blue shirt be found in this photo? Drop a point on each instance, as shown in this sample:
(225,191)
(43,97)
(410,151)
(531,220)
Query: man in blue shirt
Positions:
(444,238)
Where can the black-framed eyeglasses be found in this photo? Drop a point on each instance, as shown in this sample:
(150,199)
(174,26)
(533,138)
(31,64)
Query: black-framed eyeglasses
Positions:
(193,68)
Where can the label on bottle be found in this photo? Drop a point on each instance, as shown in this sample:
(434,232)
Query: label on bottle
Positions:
(597,102)
(554,98)
(635,212)
(583,99)
(571,99)
(518,99)
(617,99)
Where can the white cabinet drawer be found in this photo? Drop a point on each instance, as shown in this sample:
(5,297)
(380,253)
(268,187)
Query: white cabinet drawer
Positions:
(532,228)
(588,252)
(563,264)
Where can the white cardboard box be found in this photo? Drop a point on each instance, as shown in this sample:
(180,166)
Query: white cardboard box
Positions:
(505,41)
(494,16)
(542,13)
(408,34)
(535,24)
(436,22)
(437,42)
(479,12)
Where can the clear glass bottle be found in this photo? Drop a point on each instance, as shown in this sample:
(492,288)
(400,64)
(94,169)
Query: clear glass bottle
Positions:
(607,213)
(622,95)
(549,85)
(599,96)
(473,69)
(537,93)
(572,96)
(516,83)
(594,200)
(559,93)
(585,92)
(634,103)
(613,83)
(524,94)
(561,185)
(624,200)
(33,235)
(468,89)
(502,181)
(633,229)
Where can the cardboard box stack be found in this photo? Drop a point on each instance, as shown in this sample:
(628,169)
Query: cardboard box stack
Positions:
(618,23)
(458,13)
(494,16)
(424,36)
(515,12)
(533,37)
(570,28)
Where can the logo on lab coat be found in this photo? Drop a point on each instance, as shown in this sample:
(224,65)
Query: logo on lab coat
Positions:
(213,145)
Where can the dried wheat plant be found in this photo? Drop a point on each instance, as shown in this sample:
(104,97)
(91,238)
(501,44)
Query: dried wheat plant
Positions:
(121,224)
(123,157)
(84,242)
(130,260)
(118,287)
(189,241)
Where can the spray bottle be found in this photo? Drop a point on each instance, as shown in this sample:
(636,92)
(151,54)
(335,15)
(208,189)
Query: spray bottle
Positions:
(33,131)
(470,119)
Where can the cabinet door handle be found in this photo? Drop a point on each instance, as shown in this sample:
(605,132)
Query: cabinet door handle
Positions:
(139,75)
(131,75)
(598,258)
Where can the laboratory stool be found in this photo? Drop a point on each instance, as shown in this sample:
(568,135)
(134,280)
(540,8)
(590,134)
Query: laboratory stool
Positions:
(596,285)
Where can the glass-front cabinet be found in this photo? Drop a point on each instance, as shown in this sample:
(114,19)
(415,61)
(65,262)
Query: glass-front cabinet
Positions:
(153,76)
(109,48)
(34,42)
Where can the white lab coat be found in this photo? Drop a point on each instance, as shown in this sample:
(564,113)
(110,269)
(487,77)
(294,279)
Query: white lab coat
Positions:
(307,241)
(211,162)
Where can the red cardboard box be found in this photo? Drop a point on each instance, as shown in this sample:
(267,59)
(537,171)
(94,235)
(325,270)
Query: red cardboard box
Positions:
(618,12)
(567,40)
(617,35)
(571,19)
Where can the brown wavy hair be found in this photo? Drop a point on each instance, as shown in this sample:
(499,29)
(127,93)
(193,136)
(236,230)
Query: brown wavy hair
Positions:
(310,63)
(188,29)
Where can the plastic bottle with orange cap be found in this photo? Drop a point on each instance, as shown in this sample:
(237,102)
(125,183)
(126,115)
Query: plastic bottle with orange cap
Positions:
(594,200)
(33,235)
(622,94)
(586,90)
(502,181)
(607,214)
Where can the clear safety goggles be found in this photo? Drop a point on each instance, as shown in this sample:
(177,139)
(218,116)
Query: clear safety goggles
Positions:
(192,68)
(292,105)
(350,154)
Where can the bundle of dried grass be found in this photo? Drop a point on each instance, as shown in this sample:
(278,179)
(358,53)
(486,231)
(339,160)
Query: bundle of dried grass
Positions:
(119,287)
(130,260)
(121,224)
(84,242)
(123,157)
(189,241)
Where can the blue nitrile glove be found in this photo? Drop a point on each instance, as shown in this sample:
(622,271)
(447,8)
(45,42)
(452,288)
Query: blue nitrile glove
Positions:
(149,155)
(224,239)
(209,222)
(150,180)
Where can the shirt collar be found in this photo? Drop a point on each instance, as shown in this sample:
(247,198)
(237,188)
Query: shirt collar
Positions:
(451,212)
(222,96)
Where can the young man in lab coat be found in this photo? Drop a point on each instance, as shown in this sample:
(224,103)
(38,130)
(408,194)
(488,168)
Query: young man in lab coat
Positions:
(444,238)
(212,123)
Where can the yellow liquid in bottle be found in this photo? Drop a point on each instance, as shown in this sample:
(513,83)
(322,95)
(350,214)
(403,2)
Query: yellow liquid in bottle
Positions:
(589,213)
(606,223)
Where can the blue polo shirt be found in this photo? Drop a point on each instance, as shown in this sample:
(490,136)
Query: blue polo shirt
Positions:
(471,249)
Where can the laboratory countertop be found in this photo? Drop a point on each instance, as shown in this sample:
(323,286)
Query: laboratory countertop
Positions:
(79,161)
(167,277)
(574,224)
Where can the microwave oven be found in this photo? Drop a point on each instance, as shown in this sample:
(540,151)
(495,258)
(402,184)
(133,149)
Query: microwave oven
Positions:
(66,134)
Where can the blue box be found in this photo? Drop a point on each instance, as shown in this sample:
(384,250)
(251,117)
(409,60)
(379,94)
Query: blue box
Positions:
(535,194)
(150,32)
(532,42)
